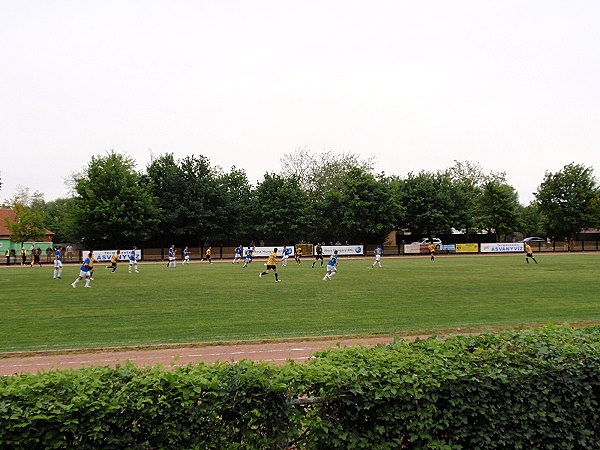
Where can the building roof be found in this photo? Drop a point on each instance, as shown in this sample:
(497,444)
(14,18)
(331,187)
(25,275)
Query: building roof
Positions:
(9,214)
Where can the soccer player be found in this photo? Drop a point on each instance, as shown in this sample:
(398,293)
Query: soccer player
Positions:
(271,265)
(238,254)
(23,256)
(209,254)
(319,255)
(84,272)
(133,261)
(172,261)
(186,256)
(113,261)
(92,261)
(432,251)
(58,263)
(298,256)
(285,254)
(249,253)
(331,266)
(529,253)
(378,252)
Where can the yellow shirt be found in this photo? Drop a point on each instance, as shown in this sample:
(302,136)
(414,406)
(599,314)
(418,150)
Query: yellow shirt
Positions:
(272,259)
(115,258)
(208,252)
(528,248)
(432,248)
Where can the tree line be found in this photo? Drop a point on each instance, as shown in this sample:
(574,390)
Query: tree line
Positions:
(328,197)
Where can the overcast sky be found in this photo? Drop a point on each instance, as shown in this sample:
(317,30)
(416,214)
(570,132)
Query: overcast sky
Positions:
(512,85)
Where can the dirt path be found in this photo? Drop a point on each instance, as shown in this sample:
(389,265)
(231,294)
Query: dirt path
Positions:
(276,352)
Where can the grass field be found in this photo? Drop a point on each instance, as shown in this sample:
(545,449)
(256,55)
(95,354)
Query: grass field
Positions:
(202,302)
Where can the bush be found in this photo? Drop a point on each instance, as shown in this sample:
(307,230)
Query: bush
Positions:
(518,389)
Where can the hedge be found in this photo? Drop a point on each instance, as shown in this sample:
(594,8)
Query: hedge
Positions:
(516,389)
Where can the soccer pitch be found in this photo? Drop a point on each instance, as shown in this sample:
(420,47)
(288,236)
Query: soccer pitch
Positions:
(225,302)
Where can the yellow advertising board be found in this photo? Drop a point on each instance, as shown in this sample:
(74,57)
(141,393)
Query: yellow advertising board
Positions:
(467,248)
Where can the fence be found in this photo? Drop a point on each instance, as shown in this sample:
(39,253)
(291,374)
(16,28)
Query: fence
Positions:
(225,252)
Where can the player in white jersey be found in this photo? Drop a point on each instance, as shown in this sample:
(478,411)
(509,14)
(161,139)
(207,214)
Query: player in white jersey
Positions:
(58,266)
(133,260)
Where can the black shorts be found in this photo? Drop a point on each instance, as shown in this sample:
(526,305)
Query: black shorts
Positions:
(529,255)
(271,267)
(319,257)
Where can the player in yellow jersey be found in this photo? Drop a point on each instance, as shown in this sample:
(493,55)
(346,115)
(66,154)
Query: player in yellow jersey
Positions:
(298,255)
(113,261)
(271,265)
(432,251)
(529,253)
(209,254)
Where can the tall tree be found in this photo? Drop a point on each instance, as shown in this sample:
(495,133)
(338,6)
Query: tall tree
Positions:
(238,193)
(499,209)
(318,173)
(367,211)
(470,178)
(111,203)
(281,208)
(568,200)
(28,224)
(192,195)
(531,219)
(433,203)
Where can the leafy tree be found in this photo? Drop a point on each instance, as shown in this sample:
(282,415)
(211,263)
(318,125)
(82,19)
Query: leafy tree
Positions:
(281,208)
(321,173)
(531,219)
(470,178)
(58,219)
(28,226)
(433,203)
(111,202)
(499,208)
(568,200)
(238,204)
(192,196)
(365,209)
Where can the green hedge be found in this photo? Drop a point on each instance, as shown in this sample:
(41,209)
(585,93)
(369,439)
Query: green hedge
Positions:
(519,389)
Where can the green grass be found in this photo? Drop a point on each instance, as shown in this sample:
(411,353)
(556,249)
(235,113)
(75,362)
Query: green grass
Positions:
(217,302)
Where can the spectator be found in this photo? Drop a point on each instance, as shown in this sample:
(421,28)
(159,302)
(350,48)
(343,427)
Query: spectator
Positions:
(23,256)
(7,254)
(69,251)
(49,254)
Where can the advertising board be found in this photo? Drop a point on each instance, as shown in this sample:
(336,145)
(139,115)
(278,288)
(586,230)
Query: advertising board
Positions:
(502,247)
(343,249)
(106,255)
(467,248)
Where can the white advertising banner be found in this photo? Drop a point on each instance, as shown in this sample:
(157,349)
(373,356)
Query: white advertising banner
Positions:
(342,249)
(106,255)
(412,248)
(266,251)
(498,248)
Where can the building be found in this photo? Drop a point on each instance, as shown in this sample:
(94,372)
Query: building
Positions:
(6,243)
